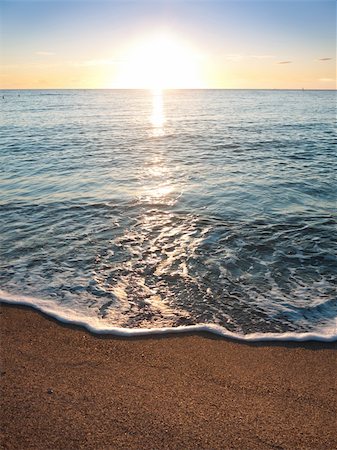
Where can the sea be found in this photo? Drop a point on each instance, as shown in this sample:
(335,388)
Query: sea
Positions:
(134,212)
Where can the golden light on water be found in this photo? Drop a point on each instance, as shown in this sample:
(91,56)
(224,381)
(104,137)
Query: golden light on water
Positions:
(158,174)
(162,191)
(158,186)
(157,118)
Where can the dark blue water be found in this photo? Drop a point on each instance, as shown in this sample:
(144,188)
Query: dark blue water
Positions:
(139,209)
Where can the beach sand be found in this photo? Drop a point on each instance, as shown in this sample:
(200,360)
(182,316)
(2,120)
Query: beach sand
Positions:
(63,388)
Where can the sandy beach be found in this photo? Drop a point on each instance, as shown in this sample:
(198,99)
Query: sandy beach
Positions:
(63,388)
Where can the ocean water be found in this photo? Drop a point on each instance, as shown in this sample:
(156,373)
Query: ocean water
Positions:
(136,211)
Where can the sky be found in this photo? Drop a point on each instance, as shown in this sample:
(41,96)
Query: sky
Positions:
(241,44)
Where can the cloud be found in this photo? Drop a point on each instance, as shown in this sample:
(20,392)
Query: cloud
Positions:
(325,59)
(261,56)
(95,62)
(284,62)
(326,80)
(10,66)
(99,62)
(44,53)
(240,57)
(234,57)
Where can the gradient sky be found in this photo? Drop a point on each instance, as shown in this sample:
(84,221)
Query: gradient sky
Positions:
(209,44)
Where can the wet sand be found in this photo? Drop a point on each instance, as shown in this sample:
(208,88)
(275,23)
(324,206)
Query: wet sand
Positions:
(63,388)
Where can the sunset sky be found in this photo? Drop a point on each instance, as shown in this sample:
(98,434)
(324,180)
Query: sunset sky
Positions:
(168,44)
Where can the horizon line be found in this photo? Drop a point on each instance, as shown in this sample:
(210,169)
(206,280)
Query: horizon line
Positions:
(167,89)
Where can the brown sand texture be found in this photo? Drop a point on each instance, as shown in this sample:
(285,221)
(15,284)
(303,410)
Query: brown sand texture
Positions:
(63,388)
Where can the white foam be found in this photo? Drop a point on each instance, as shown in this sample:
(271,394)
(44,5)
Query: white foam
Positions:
(97,326)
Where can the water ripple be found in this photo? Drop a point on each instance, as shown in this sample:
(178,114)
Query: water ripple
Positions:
(218,214)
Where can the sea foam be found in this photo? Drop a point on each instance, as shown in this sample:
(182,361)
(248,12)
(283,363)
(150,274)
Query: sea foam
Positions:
(328,333)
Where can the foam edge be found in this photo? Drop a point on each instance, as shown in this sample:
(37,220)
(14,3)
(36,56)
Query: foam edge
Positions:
(67,316)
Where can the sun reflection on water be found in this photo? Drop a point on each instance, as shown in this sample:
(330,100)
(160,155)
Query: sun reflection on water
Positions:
(159,185)
(158,117)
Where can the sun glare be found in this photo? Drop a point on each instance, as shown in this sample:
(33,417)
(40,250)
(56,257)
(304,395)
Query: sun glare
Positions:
(160,62)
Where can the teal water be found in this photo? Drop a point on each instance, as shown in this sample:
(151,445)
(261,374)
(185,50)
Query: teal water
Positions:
(138,210)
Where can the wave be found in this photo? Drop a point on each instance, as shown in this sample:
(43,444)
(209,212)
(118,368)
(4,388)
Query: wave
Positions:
(327,333)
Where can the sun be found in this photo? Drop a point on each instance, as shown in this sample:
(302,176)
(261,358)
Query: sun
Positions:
(159,62)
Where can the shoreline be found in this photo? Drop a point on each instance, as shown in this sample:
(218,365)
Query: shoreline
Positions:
(63,387)
(328,333)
